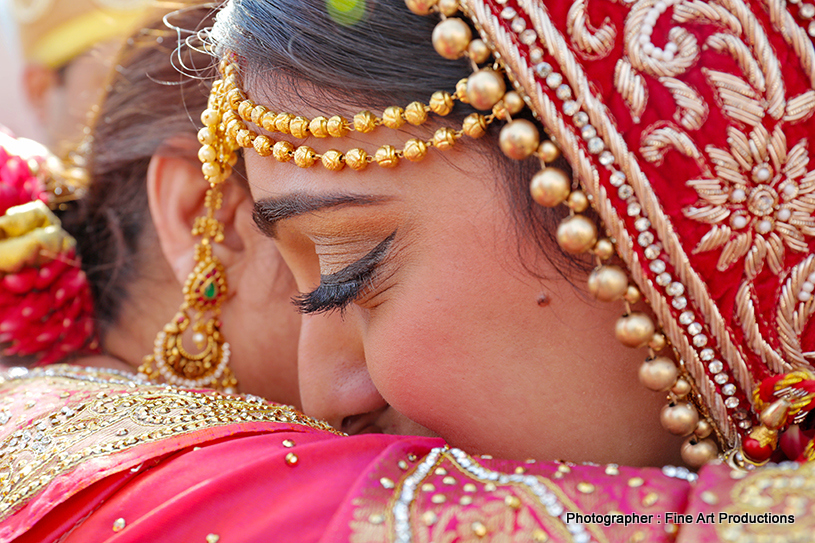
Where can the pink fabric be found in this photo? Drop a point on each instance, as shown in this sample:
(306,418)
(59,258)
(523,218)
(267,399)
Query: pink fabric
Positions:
(287,480)
(242,489)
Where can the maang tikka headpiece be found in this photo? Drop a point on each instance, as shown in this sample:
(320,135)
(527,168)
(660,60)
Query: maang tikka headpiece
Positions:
(711,209)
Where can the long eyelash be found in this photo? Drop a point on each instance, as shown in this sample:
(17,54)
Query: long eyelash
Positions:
(330,297)
(339,290)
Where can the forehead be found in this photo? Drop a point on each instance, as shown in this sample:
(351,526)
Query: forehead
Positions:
(412,198)
(459,172)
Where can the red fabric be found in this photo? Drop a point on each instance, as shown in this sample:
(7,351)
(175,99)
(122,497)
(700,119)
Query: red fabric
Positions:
(46,306)
(279,477)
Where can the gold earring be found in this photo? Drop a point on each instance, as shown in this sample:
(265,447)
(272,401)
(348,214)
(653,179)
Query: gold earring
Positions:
(204,293)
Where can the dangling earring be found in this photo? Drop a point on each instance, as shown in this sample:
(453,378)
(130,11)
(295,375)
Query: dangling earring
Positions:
(204,293)
(206,287)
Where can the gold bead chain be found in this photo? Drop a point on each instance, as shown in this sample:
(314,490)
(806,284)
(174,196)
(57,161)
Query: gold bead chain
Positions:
(234,110)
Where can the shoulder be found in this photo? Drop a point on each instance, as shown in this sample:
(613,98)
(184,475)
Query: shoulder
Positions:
(86,455)
(448,495)
(65,428)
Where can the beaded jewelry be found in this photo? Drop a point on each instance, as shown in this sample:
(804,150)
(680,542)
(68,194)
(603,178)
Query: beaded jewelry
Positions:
(484,90)
(204,292)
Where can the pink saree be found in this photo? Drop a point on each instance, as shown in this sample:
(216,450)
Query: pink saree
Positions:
(99,456)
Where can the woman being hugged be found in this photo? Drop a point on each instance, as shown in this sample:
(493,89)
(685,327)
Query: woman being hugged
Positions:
(440,244)
(106,271)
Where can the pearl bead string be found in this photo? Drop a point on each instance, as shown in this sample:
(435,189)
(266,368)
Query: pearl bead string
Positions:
(647,29)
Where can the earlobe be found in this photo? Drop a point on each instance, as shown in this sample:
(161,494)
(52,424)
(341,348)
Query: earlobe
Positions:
(176,192)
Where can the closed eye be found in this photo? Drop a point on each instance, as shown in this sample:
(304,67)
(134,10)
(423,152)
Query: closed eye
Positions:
(338,290)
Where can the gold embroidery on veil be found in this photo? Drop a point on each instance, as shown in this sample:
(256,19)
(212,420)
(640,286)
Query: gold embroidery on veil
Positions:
(91,413)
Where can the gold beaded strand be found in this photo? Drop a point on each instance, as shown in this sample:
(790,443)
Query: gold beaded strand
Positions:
(576,234)
(240,110)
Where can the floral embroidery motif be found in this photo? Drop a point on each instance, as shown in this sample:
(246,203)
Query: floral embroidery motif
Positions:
(760,201)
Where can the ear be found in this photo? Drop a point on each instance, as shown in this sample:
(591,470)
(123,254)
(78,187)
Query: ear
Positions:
(176,191)
(38,81)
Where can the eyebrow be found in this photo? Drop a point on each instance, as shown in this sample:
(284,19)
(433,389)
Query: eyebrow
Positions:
(270,211)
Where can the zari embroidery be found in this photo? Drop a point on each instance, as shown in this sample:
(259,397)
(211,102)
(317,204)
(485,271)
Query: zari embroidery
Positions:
(514,506)
(785,489)
(93,413)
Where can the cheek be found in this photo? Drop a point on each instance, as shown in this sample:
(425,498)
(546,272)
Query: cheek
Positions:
(267,323)
(440,342)
(415,363)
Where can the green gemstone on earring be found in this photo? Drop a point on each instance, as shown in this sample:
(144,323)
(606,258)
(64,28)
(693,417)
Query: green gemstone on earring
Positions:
(209,291)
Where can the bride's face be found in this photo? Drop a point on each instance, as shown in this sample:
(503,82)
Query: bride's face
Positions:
(419,316)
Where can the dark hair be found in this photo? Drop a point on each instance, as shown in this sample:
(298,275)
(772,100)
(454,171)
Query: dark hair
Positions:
(147,101)
(383,58)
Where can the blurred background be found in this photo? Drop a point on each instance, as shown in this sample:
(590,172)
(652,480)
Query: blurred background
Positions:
(15,111)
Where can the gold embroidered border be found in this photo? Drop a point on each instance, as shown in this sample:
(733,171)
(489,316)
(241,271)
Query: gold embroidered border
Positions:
(115,414)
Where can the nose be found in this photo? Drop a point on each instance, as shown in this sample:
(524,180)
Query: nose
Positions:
(334,382)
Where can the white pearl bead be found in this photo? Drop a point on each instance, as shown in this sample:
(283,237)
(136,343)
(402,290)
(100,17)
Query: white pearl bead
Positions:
(737,195)
(648,48)
(651,18)
(784,214)
(661,6)
(643,39)
(198,338)
(672,47)
(667,56)
(807,286)
(764,226)
(763,174)
(657,53)
(647,30)
(804,296)
(739,221)
(789,190)
(811,277)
